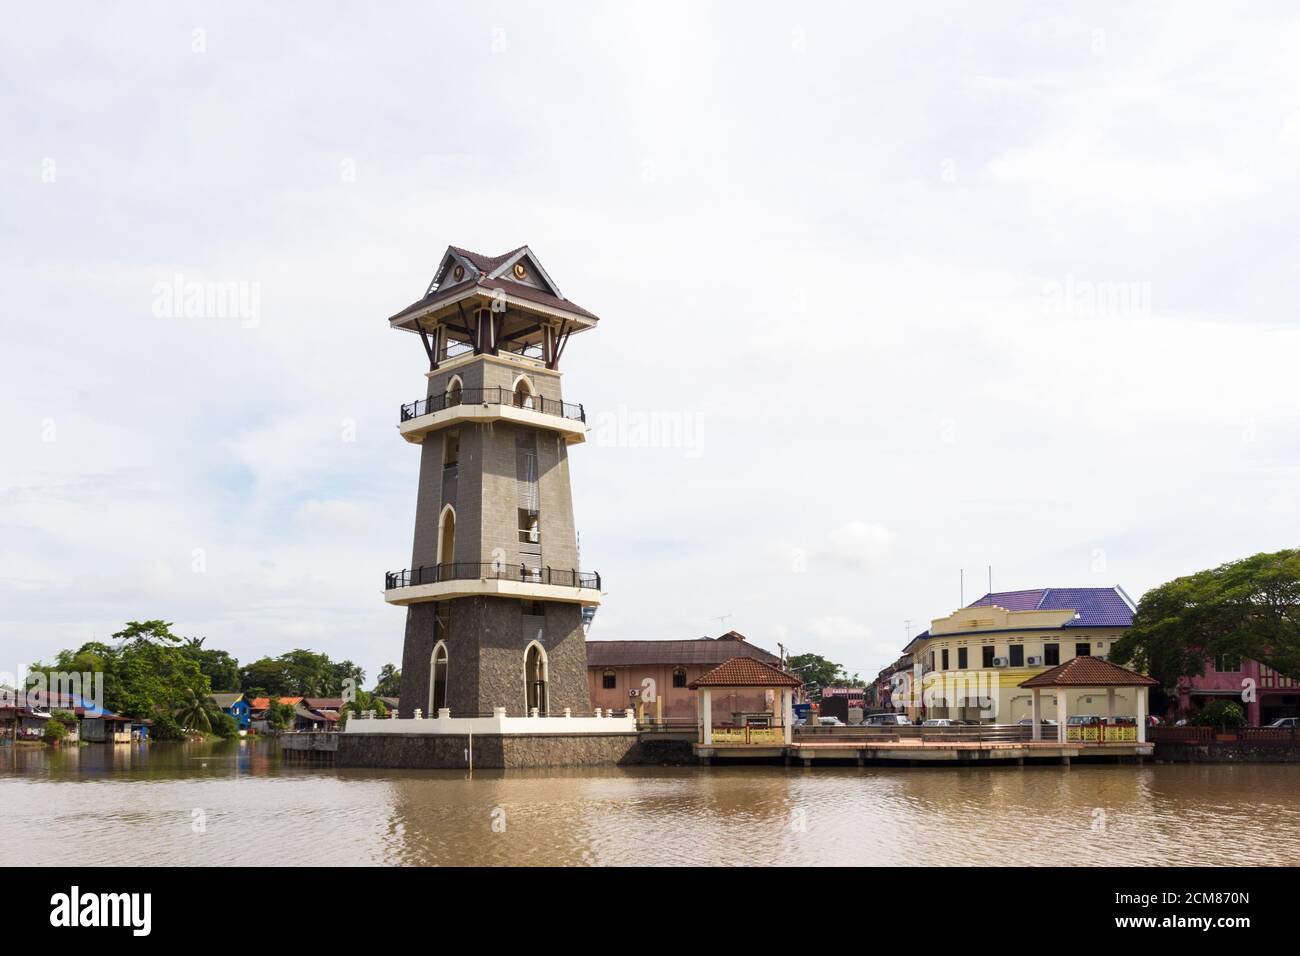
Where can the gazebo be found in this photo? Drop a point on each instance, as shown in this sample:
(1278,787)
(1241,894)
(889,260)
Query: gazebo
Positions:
(751,674)
(1087,672)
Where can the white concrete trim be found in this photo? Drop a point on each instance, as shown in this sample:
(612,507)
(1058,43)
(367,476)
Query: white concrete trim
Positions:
(546,674)
(491,725)
(414,429)
(492,587)
(433,671)
(442,521)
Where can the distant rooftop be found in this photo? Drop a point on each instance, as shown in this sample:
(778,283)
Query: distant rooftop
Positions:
(1095,607)
(701,650)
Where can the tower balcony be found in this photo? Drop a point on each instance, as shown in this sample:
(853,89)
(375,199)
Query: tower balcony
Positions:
(480,405)
(442,582)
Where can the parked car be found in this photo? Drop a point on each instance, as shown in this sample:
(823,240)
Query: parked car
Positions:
(940,722)
(887,720)
(830,722)
(1288,723)
(1028,722)
(1083,720)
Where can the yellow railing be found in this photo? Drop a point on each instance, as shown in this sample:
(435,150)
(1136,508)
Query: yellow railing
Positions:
(749,735)
(1119,733)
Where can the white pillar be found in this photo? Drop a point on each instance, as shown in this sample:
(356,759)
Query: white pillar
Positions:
(1037,714)
(1062,713)
(1141,714)
(787,713)
(706,704)
(1110,705)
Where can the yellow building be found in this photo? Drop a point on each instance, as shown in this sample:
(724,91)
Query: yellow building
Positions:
(970,664)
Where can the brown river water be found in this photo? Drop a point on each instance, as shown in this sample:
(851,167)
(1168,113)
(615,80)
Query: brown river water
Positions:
(218,804)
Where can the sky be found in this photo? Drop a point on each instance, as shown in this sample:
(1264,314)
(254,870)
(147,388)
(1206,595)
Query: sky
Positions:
(888,292)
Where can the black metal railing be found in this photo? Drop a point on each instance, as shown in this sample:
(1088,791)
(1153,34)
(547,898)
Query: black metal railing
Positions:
(491,571)
(497,395)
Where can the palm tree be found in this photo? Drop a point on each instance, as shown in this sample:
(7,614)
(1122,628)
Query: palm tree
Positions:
(193,714)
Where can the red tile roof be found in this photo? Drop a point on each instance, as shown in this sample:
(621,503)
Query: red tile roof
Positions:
(745,672)
(1089,672)
(261,703)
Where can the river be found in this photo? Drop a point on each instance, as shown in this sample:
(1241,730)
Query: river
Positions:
(236,803)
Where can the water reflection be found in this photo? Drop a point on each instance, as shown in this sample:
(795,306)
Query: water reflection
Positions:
(140,804)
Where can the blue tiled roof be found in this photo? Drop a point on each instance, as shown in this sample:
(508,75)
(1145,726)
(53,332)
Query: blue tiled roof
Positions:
(1095,607)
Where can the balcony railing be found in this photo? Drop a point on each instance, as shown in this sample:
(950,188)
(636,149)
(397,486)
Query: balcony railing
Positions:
(496,395)
(490,571)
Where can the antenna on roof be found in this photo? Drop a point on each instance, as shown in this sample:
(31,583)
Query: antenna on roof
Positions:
(990,579)
(961,601)
(721,619)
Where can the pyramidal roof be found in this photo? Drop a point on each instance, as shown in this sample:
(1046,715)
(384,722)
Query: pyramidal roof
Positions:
(745,672)
(1089,672)
(518,275)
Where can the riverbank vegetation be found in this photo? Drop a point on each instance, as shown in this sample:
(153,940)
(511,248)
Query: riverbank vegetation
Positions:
(1243,610)
(152,673)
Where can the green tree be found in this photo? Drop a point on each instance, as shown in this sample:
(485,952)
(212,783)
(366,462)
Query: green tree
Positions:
(390,681)
(1221,713)
(194,714)
(146,673)
(817,672)
(299,673)
(1248,609)
(279,715)
(55,730)
(224,725)
(165,728)
(221,670)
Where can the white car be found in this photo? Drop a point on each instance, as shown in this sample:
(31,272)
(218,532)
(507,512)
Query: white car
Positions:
(938,722)
(1286,723)
(887,720)
(830,722)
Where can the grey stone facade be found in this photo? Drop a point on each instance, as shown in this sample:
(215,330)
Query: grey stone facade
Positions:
(487,637)
(492,751)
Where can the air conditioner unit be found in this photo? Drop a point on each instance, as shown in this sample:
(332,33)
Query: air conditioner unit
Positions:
(1001,662)
(1035,661)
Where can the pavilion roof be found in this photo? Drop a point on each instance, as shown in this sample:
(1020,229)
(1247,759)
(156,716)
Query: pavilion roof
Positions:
(1089,672)
(745,672)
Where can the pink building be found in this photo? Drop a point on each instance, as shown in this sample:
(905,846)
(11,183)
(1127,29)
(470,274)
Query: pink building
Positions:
(620,673)
(1226,678)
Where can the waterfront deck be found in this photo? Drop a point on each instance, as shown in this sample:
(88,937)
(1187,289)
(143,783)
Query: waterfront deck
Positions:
(918,751)
(926,745)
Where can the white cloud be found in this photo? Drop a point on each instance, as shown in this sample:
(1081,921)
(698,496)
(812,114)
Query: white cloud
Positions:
(829,247)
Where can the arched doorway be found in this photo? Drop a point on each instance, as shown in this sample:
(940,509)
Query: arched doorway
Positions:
(535,678)
(438,679)
(453,393)
(524,395)
(447,537)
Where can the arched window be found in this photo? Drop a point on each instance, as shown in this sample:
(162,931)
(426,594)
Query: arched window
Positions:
(609,680)
(447,536)
(438,679)
(524,393)
(679,677)
(535,675)
(455,388)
